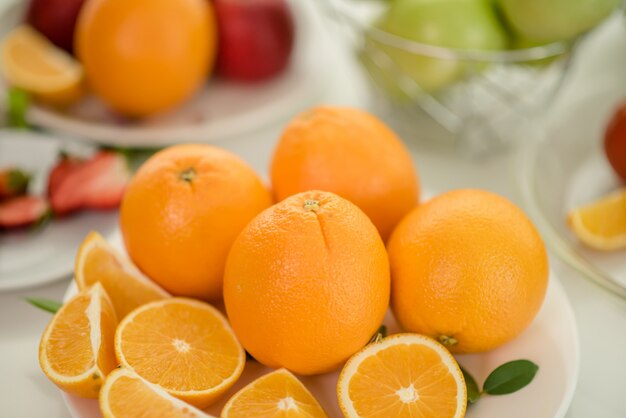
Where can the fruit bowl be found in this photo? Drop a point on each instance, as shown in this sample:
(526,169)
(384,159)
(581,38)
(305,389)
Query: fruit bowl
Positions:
(565,167)
(478,100)
(220,110)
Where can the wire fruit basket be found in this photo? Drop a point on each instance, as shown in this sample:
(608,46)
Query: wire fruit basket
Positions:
(492,102)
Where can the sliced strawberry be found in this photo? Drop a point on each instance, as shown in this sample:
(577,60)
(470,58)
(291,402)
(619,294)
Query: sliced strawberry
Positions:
(13,182)
(98,183)
(22,211)
(66,165)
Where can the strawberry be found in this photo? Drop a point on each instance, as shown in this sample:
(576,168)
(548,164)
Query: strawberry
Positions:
(22,211)
(13,182)
(97,183)
(64,166)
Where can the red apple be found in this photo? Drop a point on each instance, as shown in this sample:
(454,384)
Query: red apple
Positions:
(615,141)
(55,19)
(256,38)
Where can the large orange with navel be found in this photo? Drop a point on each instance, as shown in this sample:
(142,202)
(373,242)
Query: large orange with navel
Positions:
(469,269)
(351,153)
(183,210)
(146,56)
(307,283)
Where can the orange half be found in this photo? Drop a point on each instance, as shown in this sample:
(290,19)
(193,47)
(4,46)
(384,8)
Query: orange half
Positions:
(404,375)
(125,395)
(128,288)
(184,346)
(76,350)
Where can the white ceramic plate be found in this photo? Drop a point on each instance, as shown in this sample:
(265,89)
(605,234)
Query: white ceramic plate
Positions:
(551,341)
(29,258)
(220,109)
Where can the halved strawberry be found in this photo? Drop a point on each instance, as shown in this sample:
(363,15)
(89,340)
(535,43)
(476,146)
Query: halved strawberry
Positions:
(64,166)
(98,183)
(22,211)
(13,182)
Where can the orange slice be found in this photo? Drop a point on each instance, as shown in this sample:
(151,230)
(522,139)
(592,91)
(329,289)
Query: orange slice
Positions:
(184,346)
(277,394)
(128,288)
(31,62)
(126,395)
(404,375)
(601,224)
(76,350)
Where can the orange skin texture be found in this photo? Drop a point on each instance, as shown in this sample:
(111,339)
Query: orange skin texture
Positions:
(468,265)
(351,153)
(179,232)
(146,56)
(306,289)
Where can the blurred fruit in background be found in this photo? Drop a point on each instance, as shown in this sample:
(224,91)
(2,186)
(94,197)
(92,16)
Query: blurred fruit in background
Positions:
(146,56)
(32,63)
(615,141)
(55,19)
(13,182)
(255,38)
(459,24)
(96,183)
(22,211)
(555,20)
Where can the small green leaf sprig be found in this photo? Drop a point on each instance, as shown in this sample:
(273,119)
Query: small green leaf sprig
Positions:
(507,378)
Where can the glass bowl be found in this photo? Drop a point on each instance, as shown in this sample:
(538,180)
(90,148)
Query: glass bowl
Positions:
(491,100)
(564,167)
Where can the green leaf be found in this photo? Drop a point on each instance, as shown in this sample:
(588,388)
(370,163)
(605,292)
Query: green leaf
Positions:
(473,391)
(18,102)
(47,305)
(510,377)
(379,334)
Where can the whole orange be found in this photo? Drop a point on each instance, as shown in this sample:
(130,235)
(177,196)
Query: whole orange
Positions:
(183,210)
(307,283)
(351,153)
(146,56)
(469,269)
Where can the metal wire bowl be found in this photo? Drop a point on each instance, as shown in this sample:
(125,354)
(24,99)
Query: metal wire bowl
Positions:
(491,105)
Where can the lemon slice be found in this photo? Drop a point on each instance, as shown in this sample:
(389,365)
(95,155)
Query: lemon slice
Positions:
(34,64)
(601,224)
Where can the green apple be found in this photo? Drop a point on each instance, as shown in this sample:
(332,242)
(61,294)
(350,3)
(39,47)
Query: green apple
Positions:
(459,24)
(555,20)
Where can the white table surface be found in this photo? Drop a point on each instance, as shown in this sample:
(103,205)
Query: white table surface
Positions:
(601,393)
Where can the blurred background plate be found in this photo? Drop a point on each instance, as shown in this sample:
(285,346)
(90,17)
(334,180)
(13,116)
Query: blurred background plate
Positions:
(551,341)
(218,111)
(34,257)
(565,167)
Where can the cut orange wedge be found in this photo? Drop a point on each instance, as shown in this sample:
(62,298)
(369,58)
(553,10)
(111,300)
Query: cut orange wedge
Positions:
(184,346)
(601,224)
(404,375)
(34,64)
(277,394)
(128,288)
(76,350)
(126,395)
